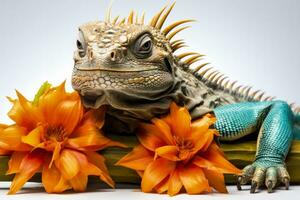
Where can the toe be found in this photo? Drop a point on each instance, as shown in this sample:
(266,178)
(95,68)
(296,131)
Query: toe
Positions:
(257,179)
(246,176)
(271,179)
(284,176)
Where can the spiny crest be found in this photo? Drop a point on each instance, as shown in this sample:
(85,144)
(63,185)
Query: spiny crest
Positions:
(202,71)
(156,22)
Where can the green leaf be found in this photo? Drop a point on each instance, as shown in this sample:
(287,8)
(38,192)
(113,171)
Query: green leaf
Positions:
(46,86)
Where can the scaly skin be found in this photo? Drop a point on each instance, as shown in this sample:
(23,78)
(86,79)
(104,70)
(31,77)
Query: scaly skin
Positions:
(132,68)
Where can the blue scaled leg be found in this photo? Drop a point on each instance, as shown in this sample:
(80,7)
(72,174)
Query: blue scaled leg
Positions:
(273,121)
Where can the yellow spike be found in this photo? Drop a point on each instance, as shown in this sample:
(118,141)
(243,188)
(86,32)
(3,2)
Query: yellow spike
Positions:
(115,20)
(247,92)
(178,46)
(205,71)
(137,18)
(218,78)
(222,80)
(213,75)
(193,61)
(171,35)
(143,18)
(175,42)
(174,25)
(226,84)
(238,88)
(108,14)
(164,17)
(232,85)
(243,89)
(260,96)
(130,17)
(255,93)
(122,21)
(183,55)
(156,17)
(200,67)
(187,61)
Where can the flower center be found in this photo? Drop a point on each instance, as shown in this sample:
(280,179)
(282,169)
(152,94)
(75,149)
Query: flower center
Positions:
(55,133)
(185,148)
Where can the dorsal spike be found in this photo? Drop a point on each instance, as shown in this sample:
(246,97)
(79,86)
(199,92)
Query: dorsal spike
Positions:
(237,89)
(243,90)
(207,77)
(115,20)
(175,42)
(191,59)
(142,21)
(175,24)
(247,92)
(136,18)
(108,13)
(122,21)
(171,35)
(255,93)
(164,17)
(178,46)
(183,55)
(259,97)
(214,76)
(232,85)
(198,68)
(218,78)
(154,20)
(226,84)
(130,17)
(205,71)
(222,80)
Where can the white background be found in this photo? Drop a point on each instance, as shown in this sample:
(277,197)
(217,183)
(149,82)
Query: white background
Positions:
(254,41)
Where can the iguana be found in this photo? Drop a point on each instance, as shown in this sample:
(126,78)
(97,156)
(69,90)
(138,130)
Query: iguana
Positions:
(133,68)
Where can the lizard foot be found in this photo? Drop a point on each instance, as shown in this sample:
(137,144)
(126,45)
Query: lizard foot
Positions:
(268,175)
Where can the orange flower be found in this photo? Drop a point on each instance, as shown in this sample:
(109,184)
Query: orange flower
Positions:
(176,153)
(55,136)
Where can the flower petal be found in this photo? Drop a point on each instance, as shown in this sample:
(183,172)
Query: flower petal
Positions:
(138,159)
(62,186)
(193,179)
(10,139)
(155,173)
(15,162)
(92,142)
(99,161)
(34,137)
(67,113)
(30,164)
(175,184)
(68,164)
(51,98)
(148,136)
(162,186)
(212,154)
(181,121)
(200,126)
(32,112)
(168,152)
(50,178)
(216,180)
(79,182)
(165,130)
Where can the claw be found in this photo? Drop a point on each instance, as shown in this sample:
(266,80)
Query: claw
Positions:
(253,187)
(270,186)
(238,185)
(286,182)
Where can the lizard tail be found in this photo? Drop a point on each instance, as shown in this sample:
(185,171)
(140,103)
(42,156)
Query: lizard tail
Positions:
(297,127)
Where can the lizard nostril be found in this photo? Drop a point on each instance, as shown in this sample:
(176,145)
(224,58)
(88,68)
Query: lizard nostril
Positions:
(113,56)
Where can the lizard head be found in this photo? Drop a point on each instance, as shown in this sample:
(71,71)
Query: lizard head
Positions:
(130,65)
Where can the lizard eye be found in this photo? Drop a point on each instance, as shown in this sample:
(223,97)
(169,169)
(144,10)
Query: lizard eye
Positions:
(81,46)
(143,46)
